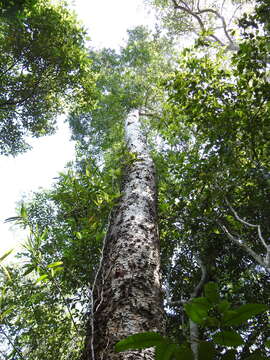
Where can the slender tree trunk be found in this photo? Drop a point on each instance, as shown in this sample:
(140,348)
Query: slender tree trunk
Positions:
(127,295)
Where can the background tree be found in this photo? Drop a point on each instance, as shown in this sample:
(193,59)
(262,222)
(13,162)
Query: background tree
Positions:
(44,67)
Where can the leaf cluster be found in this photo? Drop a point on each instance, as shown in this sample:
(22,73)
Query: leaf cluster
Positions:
(44,65)
(200,311)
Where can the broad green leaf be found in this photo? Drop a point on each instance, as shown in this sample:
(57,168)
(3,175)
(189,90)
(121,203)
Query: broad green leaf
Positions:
(228,338)
(183,352)
(140,341)
(229,314)
(165,351)
(212,322)
(243,313)
(267,343)
(198,309)
(206,351)
(223,306)
(211,292)
(41,278)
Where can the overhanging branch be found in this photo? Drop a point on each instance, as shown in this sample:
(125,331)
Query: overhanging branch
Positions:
(196,14)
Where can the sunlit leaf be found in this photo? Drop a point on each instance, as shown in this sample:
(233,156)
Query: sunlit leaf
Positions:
(41,278)
(6,272)
(55,264)
(6,254)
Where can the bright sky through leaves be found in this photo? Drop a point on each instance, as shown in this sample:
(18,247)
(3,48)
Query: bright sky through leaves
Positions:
(107,22)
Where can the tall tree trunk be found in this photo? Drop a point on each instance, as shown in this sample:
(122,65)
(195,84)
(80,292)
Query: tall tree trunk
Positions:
(127,295)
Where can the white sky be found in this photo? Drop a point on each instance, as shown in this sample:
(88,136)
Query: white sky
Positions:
(107,22)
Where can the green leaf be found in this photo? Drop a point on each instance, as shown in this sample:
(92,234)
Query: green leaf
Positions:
(41,278)
(140,341)
(6,312)
(79,235)
(243,313)
(29,269)
(6,254)
(228,338)
(206,351)
(198,309)
(212,322)
(23,212)
(6,272)
(87,172)
(183,352)
(166,351)
(267,344)
(223,306)
(211,292)
(55,264)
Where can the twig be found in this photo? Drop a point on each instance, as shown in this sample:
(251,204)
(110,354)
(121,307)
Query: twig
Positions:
(12,344)
(233,15)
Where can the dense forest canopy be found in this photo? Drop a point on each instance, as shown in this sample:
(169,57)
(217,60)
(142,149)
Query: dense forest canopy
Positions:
(205,112)
(44,67)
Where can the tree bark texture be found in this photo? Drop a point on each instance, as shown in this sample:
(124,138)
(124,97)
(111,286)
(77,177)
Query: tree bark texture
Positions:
(127,295)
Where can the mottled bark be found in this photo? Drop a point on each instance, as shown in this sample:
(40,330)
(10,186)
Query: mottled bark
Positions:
(127,295)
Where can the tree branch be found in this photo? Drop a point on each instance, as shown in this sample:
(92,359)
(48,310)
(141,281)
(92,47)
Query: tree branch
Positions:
(198,288)
(224,25)
(265,260)
(193,327)
(267,247)
(12,344)
(181,5)
(241,243)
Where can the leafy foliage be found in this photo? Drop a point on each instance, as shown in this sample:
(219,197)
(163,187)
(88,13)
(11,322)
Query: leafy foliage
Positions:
(199,310)
(44,65)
